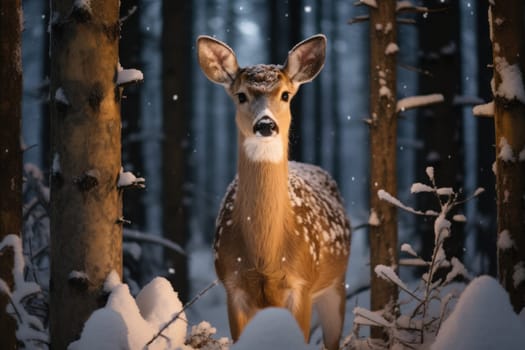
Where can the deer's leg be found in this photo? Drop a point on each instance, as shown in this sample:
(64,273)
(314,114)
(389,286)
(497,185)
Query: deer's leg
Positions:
(299,302)
(239,312)
(331,309)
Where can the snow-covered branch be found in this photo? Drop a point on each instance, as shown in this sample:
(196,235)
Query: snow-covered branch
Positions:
(127,179)
(418,101)
(129,76)
(30,330)
(484,110)
(369,3)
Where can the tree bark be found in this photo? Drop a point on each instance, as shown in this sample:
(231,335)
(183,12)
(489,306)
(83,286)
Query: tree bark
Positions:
(177,44)
(383,138)
(10,152)
(86,205)
(508,47)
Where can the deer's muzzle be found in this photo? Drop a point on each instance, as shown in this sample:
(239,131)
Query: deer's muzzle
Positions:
(265,127)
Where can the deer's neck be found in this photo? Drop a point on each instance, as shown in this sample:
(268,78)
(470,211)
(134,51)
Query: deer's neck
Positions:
(263,205)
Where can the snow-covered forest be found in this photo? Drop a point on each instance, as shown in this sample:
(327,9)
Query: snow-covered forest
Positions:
(109,206)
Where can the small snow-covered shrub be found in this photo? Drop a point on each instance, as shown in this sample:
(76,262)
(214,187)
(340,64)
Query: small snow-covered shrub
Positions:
(201,337)
(419,319)
(30,332)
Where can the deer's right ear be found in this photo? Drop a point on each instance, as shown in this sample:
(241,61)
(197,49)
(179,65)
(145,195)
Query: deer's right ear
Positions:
(217,60)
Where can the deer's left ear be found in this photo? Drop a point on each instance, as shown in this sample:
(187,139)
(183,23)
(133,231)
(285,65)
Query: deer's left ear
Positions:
(217,60)
(306,59)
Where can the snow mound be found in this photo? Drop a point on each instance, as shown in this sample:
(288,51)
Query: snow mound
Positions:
(482,319)
(126,323)
(158,304)
(272,328)
(105,329)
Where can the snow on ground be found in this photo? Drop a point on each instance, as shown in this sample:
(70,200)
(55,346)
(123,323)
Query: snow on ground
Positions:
(482,319)
(272,328)
(128,323)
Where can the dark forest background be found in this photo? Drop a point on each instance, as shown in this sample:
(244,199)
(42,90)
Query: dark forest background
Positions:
(179,132)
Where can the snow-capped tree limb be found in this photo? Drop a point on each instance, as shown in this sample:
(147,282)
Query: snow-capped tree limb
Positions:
(369,3)
(129,76)
(408,6)
(484,110)
(367,317)
(418,101)
(127,179)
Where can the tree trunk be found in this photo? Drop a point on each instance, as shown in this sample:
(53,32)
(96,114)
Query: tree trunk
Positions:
(86,205)
(10,152)
(130,47)
(177,45)
(486,206)
(440,125)
(383,135)
(508,47)
(285,24)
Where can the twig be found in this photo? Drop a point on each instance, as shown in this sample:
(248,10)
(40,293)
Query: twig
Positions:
(409,292)
(406,21)
(357,291)
(415,69)
(144,237)
(131,11)
(358,19)
(177,315)
(360,226)
(8,295)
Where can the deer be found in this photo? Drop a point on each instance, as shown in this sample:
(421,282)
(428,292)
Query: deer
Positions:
(282,237)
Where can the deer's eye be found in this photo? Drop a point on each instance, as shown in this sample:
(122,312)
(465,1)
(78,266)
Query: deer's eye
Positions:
(285,96)
(242,97)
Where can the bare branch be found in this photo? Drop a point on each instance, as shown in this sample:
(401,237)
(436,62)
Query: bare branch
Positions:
(415,69)
(134,235)
(359,19)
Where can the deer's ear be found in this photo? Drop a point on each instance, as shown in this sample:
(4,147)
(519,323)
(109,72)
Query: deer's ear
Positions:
(217,60)
(306,59)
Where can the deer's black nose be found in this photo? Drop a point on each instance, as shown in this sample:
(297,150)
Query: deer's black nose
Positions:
(265,126)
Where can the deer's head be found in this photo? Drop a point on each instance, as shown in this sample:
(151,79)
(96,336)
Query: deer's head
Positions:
(262,93)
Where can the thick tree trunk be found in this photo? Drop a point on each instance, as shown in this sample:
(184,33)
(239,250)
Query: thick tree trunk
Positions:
(508,46)
(86,205)
(10,152)
(383,137)
(177,45)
